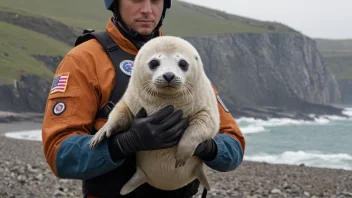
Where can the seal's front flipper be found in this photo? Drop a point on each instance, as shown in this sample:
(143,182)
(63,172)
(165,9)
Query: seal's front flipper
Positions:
(137,179)
(200,174)
(119,120)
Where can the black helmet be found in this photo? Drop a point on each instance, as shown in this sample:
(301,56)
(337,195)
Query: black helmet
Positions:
(109,4)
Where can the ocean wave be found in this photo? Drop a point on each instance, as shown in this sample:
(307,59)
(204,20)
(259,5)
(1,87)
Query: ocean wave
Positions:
(254,125)
(348,112)
(280,121)
(310,158)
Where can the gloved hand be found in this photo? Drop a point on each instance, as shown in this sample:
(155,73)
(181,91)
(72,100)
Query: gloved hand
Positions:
(149,133)
(206,150)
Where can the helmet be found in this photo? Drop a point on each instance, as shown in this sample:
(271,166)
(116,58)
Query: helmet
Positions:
(109,6)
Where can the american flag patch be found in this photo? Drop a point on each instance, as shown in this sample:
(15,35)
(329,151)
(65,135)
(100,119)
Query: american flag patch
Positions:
(59,83)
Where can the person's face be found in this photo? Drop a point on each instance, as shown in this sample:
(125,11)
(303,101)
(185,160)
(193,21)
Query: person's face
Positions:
(141,15)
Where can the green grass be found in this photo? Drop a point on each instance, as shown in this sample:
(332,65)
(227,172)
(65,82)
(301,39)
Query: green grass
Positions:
(78,13)
(16,47)
(183,21)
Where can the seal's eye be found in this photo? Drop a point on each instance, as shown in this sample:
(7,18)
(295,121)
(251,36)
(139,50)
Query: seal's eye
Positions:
(183,65)
(154,64)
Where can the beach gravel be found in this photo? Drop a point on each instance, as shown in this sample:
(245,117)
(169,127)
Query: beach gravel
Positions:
(25,173)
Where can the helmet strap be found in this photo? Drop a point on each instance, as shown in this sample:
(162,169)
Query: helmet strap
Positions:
(161,20)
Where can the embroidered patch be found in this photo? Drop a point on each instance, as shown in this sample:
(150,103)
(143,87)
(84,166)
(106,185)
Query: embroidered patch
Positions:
(59,83)
(222,103)
(126,67)
(59,108)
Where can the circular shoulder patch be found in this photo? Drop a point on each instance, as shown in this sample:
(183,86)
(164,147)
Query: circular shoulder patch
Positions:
(126,67)
(59,108)
(222,103)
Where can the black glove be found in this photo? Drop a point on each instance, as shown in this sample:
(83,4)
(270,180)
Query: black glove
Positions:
(206,150)
(149,133)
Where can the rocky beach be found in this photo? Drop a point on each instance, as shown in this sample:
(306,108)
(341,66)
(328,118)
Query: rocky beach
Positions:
(24,173)
(292,90)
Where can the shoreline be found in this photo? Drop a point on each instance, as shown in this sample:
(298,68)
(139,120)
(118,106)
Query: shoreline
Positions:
(9,117)
(26,174)
(19,126)
(263,113)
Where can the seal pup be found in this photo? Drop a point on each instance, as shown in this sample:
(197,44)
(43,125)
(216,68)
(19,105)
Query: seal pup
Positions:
(168,71)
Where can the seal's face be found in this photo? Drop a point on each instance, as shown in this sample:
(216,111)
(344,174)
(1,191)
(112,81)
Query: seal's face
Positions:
(167,65)
(168,71)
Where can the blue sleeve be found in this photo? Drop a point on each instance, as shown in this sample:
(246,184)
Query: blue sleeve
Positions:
(229,155)
(75,160)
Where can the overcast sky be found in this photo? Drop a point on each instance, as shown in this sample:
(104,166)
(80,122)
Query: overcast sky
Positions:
(314,18)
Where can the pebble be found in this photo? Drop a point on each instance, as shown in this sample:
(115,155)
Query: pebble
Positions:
(59,193)
(347,194)
(21,178)
(275,191)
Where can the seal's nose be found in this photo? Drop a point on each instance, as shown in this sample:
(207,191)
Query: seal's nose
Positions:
(169,76)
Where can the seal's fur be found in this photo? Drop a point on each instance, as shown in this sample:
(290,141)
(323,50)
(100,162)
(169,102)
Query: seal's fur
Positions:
(190,90)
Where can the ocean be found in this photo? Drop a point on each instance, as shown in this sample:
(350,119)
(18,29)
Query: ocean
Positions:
(325,142)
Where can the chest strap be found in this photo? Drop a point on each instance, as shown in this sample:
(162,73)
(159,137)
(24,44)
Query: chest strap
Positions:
(117,55)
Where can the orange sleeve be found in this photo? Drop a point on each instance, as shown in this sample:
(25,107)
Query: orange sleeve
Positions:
(70,111)
(228,125)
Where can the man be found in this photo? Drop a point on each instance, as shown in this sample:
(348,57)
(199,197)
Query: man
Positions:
(84,85)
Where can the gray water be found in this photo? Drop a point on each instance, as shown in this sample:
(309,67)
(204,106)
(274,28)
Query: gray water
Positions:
(326,142)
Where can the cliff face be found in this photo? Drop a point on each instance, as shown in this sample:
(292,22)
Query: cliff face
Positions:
(271,69)
(28,94)
(249,70)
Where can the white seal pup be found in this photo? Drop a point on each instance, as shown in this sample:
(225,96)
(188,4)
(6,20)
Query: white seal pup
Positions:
(189,90)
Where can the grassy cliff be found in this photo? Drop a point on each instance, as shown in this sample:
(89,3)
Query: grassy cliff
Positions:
(47,28)
(338,56)
(17,48)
